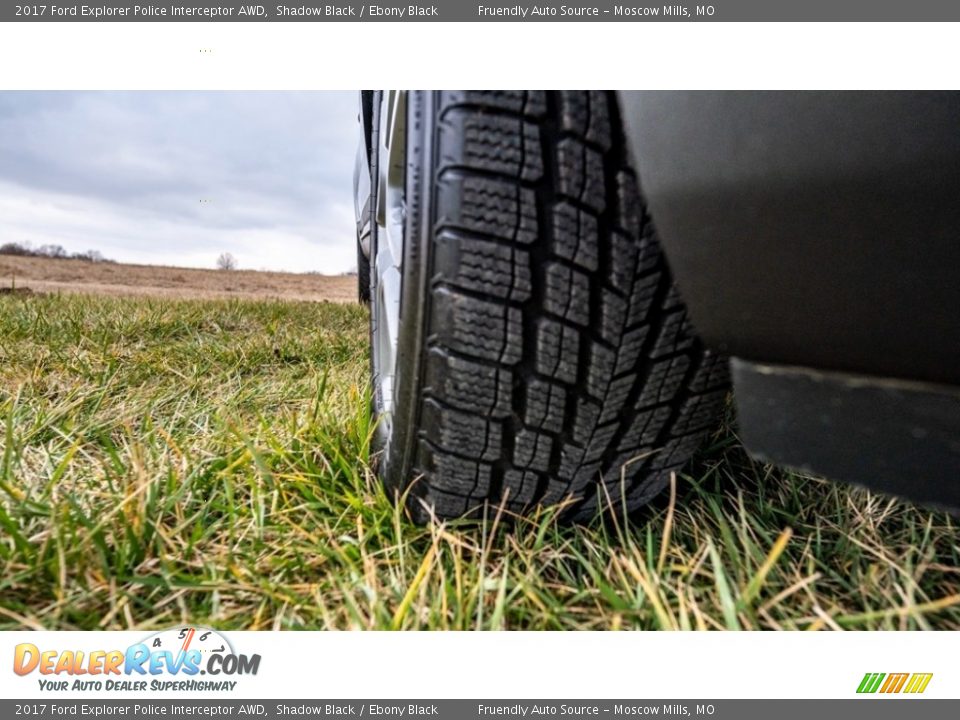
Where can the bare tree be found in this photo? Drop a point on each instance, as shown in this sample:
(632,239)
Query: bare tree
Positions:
(52,251)
(94,256)
(226,261)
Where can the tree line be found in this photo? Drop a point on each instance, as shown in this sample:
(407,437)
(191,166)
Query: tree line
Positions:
(51,251)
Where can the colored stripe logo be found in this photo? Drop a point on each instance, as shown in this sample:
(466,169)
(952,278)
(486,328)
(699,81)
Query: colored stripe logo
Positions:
(913,683)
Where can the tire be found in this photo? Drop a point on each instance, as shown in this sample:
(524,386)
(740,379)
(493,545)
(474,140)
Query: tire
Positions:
(544,355)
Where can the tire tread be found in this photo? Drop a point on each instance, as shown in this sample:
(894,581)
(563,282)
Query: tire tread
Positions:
(561,364)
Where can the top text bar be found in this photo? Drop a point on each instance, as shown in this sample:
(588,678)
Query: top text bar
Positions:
(486,10)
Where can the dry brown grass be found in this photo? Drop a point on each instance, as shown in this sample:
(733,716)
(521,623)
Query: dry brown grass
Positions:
(76,276)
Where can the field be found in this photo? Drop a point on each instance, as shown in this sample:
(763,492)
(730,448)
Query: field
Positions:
(75,276)
(169,460)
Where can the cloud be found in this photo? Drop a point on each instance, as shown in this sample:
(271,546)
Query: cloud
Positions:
(177,178)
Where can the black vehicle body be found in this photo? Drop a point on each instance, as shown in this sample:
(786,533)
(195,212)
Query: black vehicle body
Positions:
(815,237)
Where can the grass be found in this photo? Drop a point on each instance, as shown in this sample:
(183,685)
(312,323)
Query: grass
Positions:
(164,462)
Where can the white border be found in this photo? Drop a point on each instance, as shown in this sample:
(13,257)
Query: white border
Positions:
(315,55)
(154,56)
(527,665)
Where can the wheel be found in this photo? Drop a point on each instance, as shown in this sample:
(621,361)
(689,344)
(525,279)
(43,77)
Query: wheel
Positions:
(528,345)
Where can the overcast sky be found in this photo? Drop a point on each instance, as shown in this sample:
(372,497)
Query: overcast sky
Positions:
(125,174)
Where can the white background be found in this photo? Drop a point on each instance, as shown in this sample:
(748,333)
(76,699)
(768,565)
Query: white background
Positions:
(511,55)
(314,55)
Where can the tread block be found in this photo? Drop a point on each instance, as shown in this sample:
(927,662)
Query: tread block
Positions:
(714,372)
(649,257)
(482,266)
(613,488)
(599,130)
(462,433)
(491,206)
(532,103)
(556,492)
(586,113)
(440,503)
(520,487)
(588,508)
(532,450)
(485,329)
(535,104)
(647,490)
(545,405)
(600,364)
(574,111)
(616,397)
(585,475)
(580,174)
(491,143)
(641,298)
(567,293)
(557,348)
(664,381)
(630,347)
(676,334)
(629,463)
(600,442)
(623,262)
(613,316)
(644,428)
(465,477)
(584,421)
(574,235)
(698,412)
(570,458)
(675,452)
(471,386)
(628,217)
(673,301)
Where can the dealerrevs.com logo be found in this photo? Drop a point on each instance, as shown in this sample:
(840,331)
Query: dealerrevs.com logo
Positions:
(169,660)
(890,683)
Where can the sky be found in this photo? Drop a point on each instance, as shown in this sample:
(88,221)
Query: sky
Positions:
(176,178)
